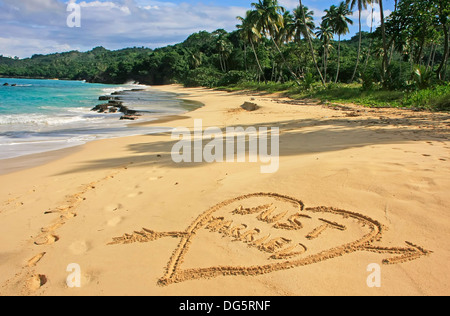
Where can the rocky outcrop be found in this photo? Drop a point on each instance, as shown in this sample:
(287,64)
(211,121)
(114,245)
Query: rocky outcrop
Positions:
(129,117)
(127,111)
(114,105)
(106,98)
(101,108)
(249,106)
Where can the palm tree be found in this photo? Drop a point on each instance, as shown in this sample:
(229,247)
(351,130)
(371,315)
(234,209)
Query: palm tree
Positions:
(224,48)
(269,17)
(195,59)
(362,4)
(250,34)
(371,40)
(287,33)
(311,47)
(336,18)
(443,10)
(269,20)
(385,48)
(303,28)
(325,34)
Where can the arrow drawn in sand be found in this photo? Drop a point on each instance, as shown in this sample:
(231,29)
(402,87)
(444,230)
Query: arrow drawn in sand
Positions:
(275,230)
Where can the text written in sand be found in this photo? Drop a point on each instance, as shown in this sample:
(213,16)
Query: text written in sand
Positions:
(261,233)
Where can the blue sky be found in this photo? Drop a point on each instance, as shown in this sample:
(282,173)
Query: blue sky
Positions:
(40,26)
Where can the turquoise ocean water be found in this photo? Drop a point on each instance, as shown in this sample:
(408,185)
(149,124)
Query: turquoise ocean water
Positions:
(42,115)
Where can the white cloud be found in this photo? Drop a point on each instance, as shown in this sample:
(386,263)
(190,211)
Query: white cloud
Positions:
(289,4)
(33,6)
(113,24)
(39,26)
(11,47)
(105,6)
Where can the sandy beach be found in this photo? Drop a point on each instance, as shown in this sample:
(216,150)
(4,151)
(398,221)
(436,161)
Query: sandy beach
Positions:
(355,187)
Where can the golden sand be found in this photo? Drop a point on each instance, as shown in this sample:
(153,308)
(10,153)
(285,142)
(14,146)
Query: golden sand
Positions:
(355,186)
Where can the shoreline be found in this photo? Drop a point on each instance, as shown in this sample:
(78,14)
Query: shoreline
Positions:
(386,168)
(12,165)
(28,161)
(17,164)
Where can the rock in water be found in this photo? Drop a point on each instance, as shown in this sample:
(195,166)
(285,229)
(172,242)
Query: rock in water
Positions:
(106,98)
(101,108)
(115,103)
(129,117)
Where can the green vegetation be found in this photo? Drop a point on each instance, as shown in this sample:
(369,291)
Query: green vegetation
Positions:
(402,63)
(332,93)
(437,98)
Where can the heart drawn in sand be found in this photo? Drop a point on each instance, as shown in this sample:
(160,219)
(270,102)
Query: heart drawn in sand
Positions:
(265,232)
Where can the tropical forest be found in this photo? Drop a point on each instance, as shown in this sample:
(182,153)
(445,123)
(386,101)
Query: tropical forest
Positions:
(401,62)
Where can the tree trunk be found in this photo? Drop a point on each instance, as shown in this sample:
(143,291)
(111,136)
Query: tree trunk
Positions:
(371,43)
(411,58)
(385,48)
(430,57)
(445,71)
(272,74)
(285,63)
(221,64)
(311,47)
(443,19)
(433,60)
(339,59)
(359,46)
(326,64)
(323,60)
(245,57)
(257,61)
(420,52)
(392,43)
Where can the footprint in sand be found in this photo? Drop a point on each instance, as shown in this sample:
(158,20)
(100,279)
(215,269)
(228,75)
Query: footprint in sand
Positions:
(156,170)
(47,240)
(33,261)
(68,216)
(134,194)
(86,278)
(59,210)
(36,282)
(113,222)
(52,228)
(113,208)
(79,247)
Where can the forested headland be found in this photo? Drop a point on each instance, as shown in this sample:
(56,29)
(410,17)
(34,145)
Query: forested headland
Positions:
(401,63)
